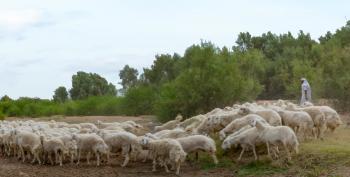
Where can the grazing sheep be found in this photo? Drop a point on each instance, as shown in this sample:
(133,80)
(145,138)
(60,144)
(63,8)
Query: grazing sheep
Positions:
(275,135)
(90,143)
(169,125)
(238,124)
(124,141)
(300,122)
(246,139)
(317,116)
(272,117)
(165,151)
(53,146)
(28,141)
(197,143)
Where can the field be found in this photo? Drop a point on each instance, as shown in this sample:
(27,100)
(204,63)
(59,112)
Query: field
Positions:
(328,157)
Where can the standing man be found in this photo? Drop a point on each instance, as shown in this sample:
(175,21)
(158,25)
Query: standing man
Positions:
(305,91)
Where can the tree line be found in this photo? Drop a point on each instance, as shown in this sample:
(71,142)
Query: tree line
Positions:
(268,66)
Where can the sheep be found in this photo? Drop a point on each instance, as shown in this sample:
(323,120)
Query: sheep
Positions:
(318,117)
(124,141)
(276,134)
(169,125)
(238,124)
(88,126)
(165,151)
(332,118)
(300,122)
(248,138)
(28,141)
(90,143)
(53,146)
(196,143)
(175,133)
(272,117)
(192,122)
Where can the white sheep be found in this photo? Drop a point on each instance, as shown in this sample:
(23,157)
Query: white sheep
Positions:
(197,143)
(90,143)
(300,122)
(274,135)
(124,141)
(238,124)
(247,139)
(170,124)
(53,146)
(28,141)
(271,116)
(165,151)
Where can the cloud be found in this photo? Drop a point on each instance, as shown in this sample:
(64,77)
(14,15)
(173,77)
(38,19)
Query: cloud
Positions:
(14,20)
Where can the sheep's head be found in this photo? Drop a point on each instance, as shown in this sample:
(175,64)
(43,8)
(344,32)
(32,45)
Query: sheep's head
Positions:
(179,117)
(145,141)
(102,148)
(222,135)
(252,122)
(244,111)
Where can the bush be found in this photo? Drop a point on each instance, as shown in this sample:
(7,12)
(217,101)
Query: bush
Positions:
(139,100)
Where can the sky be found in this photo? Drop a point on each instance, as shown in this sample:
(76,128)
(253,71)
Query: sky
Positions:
(44,42)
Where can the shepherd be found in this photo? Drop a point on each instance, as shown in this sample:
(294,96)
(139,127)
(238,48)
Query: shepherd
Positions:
(305,91)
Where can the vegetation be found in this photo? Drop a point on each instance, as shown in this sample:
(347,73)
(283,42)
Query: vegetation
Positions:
(268,66)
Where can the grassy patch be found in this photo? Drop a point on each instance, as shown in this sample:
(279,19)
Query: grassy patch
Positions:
(328,157)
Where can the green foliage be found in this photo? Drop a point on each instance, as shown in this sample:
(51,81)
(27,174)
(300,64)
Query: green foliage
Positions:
(139,100)
(85,85)
(128,76)
(5,98)
(61,95)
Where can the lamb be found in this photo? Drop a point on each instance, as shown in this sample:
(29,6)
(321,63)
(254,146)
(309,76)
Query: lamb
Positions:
(124,141)
(272,117)
(238,124)
(169,125)
(275,135)
(165,151)
(300,122)
(53,146)
(197,143)
(246,139)
(90,143)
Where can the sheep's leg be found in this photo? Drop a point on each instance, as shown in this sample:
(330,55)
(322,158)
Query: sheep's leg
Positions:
(36,156)
(50,158)
(177,168)
(23,155)
(98,158)
(71,158)
(166,167)
(88,158)
(254,151)
(287,150)
(197,155)
(125,153)
(126,160)
(240,156)
(213,155)
(268,150)
(60,157)
(79,155)
(154,163)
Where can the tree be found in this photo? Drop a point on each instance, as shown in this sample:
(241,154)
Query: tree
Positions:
(128,75)
(5,98)
(90,84)
(61,95)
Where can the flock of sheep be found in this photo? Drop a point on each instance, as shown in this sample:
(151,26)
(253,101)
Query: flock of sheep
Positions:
(275,126)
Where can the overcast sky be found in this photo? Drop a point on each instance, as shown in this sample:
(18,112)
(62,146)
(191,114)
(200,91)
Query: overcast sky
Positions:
(44,42)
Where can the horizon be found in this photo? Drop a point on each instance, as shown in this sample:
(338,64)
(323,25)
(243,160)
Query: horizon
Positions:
(44,43)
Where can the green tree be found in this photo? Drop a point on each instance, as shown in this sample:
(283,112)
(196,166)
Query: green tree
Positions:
(90,84)
(128,75)
(5,98)
(61,95)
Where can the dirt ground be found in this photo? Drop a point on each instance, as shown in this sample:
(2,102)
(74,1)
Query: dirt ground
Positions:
(11,167)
